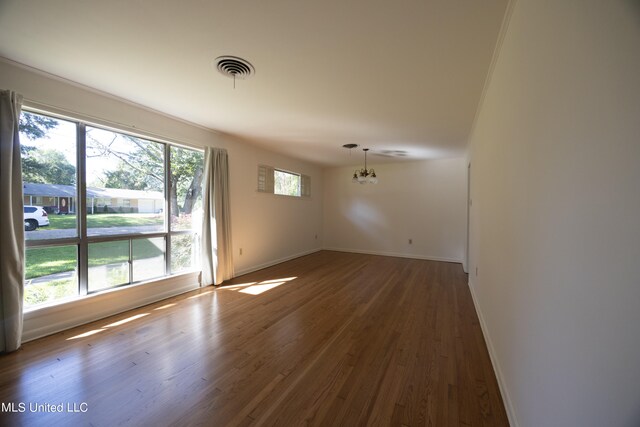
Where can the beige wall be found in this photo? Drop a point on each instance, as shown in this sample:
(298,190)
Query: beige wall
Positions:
(423,201)
(555,231)
(268,228)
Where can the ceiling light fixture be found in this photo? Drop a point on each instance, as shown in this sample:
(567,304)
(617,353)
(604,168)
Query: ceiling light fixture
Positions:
(234,67)
(365,175)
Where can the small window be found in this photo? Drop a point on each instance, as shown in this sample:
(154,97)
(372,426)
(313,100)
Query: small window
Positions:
(286,183)
(277,181)
(29,209)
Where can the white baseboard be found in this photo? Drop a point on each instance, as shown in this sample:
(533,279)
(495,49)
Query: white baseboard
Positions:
(253,268)
(395,254)
(494,361)
(66,315)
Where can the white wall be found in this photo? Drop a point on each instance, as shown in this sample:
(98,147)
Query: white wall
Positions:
(268,228)
(423,200)
(555,225)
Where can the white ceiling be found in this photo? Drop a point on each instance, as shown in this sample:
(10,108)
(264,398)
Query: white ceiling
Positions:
(402,75)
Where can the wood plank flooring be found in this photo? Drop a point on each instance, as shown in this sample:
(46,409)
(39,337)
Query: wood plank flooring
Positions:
(327,339)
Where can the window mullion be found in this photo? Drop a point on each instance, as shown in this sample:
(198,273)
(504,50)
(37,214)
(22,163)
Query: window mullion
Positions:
(130,260)
(167,207)
(81,214)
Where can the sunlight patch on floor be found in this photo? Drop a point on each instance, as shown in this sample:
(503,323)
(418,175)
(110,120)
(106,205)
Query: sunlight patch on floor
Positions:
(200,295)
(127,320)
(256,288)
(286,279)
(164,306)
(86,334)
(238,286)
(250,288)
(110,325)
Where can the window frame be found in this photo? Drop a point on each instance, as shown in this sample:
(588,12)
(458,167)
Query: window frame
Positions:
(299,192)
(82,240)
(266,182)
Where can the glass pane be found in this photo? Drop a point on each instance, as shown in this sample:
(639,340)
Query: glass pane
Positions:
(286,183)
(186,189)
(184,252)
(125,184)
(48,148)
(51,274)
(108,264)
(148,258)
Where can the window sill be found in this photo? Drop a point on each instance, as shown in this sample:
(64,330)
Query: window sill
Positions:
(47,319)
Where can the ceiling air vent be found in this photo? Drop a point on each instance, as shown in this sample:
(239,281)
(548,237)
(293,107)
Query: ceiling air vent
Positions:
(234,67)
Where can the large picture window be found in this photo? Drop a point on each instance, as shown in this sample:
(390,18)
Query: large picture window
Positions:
(125,183)
(104,208)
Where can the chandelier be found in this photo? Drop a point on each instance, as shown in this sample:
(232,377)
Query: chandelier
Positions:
(365,175)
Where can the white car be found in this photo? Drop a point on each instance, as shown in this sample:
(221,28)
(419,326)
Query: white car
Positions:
(34,217)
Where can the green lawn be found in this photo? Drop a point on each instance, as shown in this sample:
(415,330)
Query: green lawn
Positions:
(58,222)
(58,259)
(45,261)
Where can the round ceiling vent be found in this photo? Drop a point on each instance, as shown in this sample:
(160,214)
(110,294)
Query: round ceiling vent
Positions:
(234,67)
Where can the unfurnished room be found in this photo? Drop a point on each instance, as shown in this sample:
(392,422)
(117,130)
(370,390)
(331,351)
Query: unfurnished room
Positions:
(336,213)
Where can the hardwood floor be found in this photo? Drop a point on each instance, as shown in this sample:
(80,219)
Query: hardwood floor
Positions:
(346,339)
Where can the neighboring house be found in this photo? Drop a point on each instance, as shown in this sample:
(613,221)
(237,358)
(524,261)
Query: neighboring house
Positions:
(62,199)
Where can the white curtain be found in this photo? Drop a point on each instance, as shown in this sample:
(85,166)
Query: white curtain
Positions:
(11,223)
(217,254)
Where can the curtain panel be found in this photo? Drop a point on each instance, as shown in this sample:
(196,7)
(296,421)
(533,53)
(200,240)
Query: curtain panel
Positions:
(217,253)
(11,223)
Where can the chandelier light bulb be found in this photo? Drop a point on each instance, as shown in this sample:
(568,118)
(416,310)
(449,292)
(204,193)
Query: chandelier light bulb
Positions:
(364,175)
